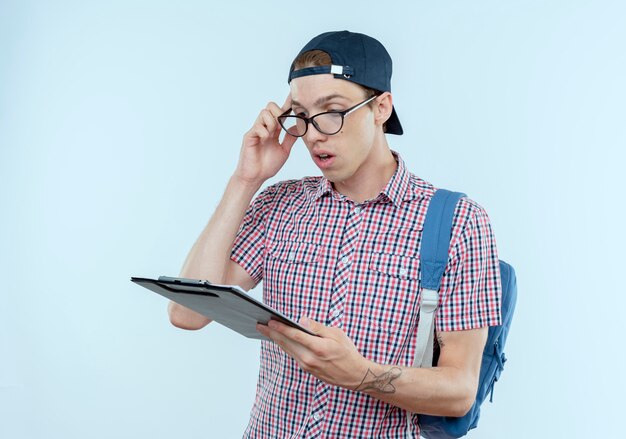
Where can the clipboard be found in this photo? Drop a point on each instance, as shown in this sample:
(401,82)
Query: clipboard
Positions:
(228,305)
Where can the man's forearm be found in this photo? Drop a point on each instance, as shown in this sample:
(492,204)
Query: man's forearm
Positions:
(441,391)
(210,255)
(331,356)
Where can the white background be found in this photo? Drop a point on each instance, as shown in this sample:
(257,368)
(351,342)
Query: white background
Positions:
(120,123)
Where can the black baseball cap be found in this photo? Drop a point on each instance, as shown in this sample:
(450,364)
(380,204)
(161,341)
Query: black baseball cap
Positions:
(357,58)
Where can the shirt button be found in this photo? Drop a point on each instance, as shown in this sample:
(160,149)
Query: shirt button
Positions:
(403,271)
(292,256)
(357,210)
(345,259)
(336,313)
(317,416)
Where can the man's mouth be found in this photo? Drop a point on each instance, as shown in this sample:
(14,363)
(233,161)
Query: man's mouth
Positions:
(324,160)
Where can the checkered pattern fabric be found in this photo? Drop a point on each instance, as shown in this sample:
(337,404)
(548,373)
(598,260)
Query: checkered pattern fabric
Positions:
(356,267)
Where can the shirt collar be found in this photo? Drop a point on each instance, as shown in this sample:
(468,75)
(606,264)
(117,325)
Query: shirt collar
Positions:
(397,190)
(398,185)
(324,187)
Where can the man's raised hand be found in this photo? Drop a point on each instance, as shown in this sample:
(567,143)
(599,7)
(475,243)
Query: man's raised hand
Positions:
(262,154)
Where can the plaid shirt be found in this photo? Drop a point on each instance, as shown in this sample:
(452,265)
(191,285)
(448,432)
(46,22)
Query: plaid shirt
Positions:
(356,267)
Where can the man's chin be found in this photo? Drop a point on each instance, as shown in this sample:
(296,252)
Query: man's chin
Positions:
(329,175)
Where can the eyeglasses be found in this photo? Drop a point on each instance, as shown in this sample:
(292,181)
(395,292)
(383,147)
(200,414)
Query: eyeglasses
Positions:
(329,122)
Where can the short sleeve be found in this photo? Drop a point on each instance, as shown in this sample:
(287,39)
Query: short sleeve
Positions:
(471,292)
(249,245)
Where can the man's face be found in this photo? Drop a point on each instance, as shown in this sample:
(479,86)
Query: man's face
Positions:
(348,150)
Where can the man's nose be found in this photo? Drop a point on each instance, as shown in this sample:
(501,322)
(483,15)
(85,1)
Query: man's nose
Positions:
(313,135)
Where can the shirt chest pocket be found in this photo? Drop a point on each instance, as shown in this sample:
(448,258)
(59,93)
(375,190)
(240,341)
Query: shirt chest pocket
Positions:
(395,266)
(289,279)
(293,252)
(391,305)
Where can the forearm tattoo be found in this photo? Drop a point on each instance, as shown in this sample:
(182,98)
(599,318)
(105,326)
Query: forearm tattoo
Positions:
(380,383)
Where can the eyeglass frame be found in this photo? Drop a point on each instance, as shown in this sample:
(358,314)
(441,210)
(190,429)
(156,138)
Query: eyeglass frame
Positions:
(309,120)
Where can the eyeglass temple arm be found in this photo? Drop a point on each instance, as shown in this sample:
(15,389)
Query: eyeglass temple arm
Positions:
(350,110)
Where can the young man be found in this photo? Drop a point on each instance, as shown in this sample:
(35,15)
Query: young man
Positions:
(340,253)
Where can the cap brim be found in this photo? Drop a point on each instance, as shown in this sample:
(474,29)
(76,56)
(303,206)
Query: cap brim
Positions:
(393,123)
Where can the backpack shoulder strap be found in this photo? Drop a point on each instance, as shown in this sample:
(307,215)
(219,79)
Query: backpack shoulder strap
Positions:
(433,259)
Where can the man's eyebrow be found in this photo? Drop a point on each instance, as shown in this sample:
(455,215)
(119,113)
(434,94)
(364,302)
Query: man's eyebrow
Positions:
(321,100)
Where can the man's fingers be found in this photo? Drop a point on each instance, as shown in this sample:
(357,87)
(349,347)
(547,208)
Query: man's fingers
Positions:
(315,327)
(262,133)
(292,347)
(287,104)
(289,140)
(269,121)
(295,335)
(275,110)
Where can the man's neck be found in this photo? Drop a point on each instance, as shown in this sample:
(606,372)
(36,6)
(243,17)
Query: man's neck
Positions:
(371,178)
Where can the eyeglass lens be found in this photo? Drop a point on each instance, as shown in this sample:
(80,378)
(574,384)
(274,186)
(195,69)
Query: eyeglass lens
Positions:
(326,123)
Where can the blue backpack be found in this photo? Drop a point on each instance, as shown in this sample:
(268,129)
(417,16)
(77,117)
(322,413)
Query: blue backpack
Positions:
(434,257)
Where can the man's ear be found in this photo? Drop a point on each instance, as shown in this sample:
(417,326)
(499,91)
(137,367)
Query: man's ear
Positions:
(382,108)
